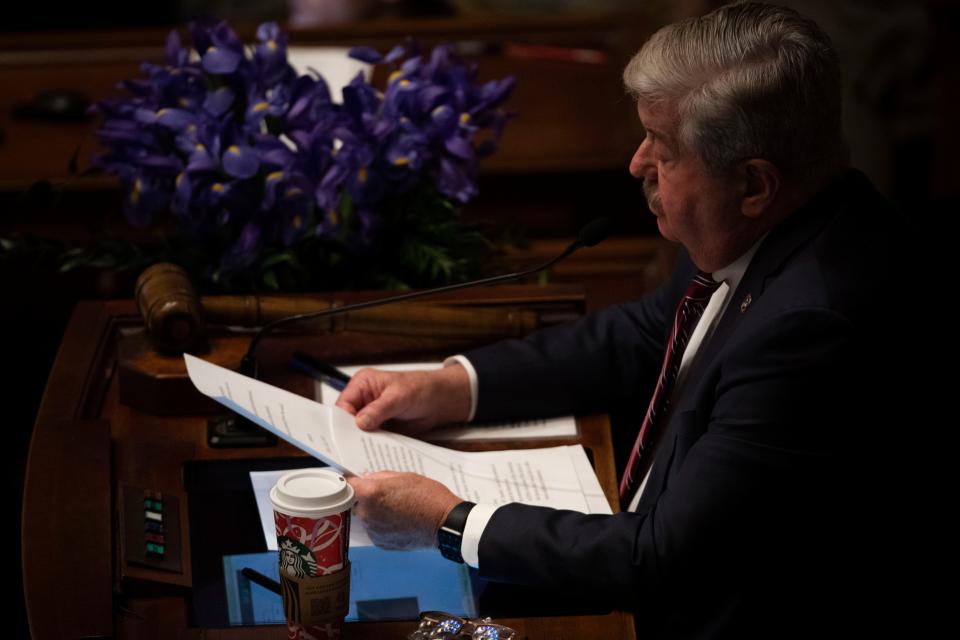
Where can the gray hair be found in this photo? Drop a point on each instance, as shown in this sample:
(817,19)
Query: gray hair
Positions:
(749,81)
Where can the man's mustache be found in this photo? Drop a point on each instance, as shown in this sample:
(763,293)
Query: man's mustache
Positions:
(652,196)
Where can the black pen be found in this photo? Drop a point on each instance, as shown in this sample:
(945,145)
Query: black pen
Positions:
(319,370)
(255,576)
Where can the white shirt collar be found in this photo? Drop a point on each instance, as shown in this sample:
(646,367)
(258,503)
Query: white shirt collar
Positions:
(732,274)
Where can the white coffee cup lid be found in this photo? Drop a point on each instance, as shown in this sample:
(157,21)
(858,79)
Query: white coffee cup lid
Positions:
(311,493)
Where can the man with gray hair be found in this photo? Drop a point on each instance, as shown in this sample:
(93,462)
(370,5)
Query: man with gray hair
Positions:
(752,494)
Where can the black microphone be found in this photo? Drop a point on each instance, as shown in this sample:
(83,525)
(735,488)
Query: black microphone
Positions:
(590,235)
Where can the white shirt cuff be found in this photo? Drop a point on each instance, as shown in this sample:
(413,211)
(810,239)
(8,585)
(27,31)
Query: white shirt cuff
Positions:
(477,521)
(472,375)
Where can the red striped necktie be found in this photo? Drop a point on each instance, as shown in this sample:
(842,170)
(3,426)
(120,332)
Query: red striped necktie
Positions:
(689,310)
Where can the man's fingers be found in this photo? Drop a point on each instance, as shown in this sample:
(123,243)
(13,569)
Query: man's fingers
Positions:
(381,475)
(389,405)
(366,482)
(373,415)
(369,492)
(377,397)
(346,406)
(356,483)
(358,392)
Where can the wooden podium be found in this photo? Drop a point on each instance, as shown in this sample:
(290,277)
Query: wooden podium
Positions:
(90,450)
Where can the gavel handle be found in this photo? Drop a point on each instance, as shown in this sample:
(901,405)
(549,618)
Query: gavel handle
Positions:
(406,319)
(256,311)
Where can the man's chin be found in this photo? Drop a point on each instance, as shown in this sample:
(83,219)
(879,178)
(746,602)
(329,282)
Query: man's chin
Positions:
(664,229)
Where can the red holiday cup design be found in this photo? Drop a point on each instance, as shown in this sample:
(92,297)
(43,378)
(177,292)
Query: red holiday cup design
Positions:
(326,539)
(312,545)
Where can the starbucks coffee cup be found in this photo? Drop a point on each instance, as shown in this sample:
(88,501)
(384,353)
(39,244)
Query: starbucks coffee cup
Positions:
(311,510)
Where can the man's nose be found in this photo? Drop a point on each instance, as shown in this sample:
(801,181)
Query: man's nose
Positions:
(642,164)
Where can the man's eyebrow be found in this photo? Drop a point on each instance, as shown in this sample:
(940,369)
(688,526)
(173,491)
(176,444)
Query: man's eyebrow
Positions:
(666,139)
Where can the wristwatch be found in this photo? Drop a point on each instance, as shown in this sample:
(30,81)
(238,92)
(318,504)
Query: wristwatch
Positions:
(450,534)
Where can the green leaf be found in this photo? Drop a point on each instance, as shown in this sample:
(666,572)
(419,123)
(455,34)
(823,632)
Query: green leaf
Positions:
(279,258)
(269,278)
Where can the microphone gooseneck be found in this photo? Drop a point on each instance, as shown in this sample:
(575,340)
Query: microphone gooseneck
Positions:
(590,235)
(594,232)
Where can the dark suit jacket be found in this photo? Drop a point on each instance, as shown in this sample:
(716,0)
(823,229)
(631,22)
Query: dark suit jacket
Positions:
(769,505)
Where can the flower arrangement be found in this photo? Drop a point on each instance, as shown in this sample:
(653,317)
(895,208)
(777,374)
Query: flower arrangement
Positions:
(273,184)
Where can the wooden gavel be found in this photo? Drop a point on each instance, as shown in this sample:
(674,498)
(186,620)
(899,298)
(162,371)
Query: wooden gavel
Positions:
(176,316)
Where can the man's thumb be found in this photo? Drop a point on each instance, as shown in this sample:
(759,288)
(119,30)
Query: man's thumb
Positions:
(372,416)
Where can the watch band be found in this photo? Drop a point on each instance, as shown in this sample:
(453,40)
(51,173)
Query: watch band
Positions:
(450,534)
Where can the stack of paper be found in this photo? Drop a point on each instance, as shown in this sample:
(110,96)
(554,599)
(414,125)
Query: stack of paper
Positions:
(559,477)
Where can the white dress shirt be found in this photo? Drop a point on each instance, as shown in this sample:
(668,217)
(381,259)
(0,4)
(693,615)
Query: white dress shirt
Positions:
(729,276)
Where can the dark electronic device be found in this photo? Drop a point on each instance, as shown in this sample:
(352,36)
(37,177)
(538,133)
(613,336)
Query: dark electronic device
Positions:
(229,430)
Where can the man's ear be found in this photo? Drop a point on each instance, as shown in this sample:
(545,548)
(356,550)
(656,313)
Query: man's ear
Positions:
(762,182)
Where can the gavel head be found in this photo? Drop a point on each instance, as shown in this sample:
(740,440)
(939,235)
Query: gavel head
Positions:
(170,307)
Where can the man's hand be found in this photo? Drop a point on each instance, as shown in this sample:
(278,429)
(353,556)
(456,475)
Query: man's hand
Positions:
(414,401)
(401,511)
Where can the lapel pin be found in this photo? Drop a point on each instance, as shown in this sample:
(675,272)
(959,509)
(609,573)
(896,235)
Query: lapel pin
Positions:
(746,303)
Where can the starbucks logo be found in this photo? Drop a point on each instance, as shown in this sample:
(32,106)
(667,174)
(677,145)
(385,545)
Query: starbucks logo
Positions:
(296,560)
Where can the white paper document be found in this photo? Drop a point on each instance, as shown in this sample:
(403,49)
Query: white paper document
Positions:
(559,477)
(333,63)
(562,427)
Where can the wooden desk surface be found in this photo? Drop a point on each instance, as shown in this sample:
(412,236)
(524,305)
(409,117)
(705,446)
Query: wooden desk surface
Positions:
(86,444)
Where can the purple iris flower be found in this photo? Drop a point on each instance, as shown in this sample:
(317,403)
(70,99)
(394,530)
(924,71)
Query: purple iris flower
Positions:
(395,54)
(225,51)
(459,147)
(359,97)
(217,60)
(140,88)
(274,154)
(493,94)
(411,66)
(327,193)
(200,34)
(162,164)
(270,56)
(146,197)
(245,250)
(310,104)
(250,158)
(365,54)
(175,119)
(202,160)
(408,151)
(219,102)
(431,96)
(456,181)
(278,101)
(293,206)
(123,132)
(174,53)
(270,32)
(182,195)
(240,161)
